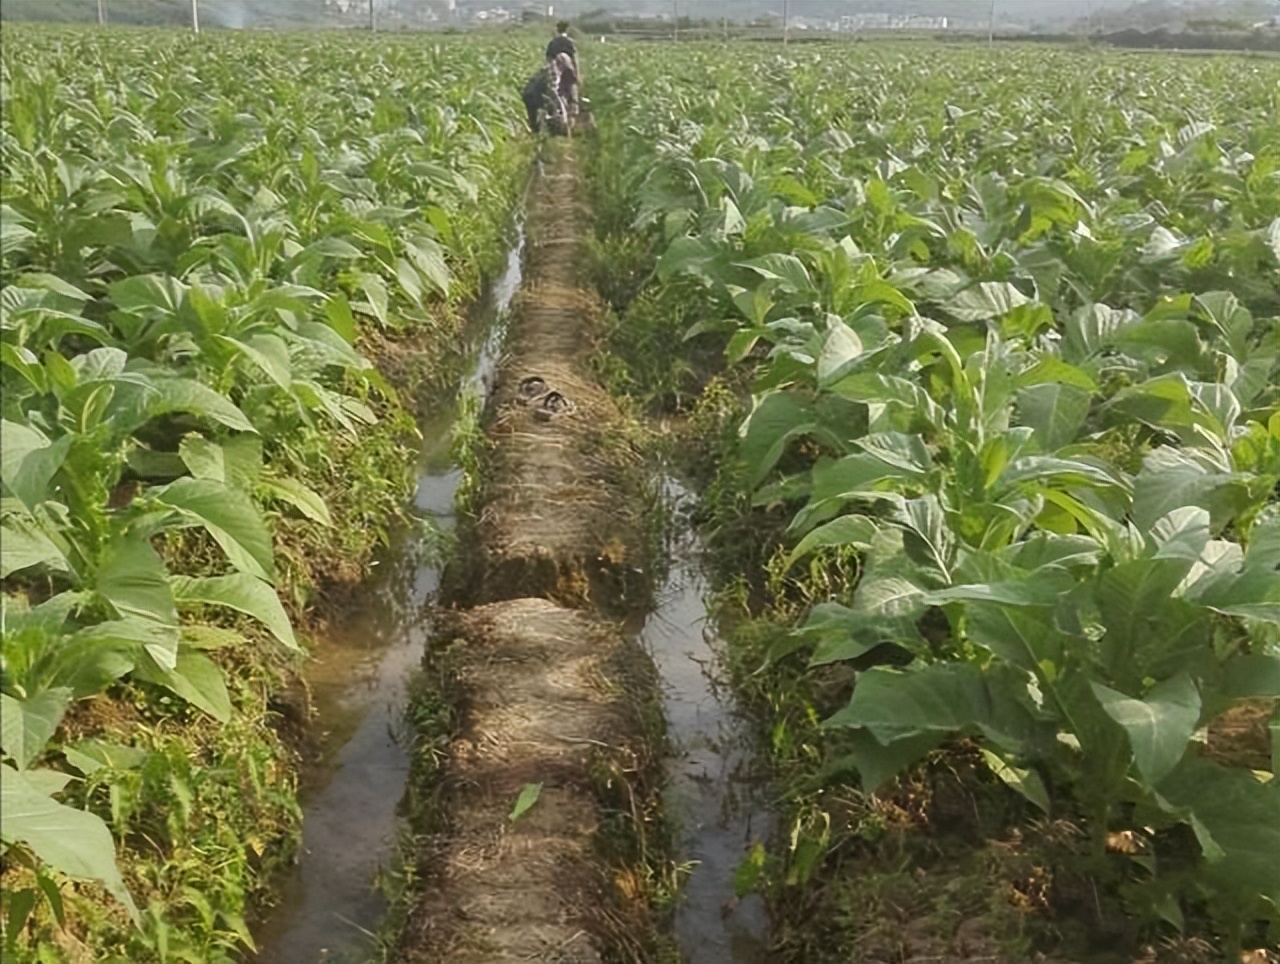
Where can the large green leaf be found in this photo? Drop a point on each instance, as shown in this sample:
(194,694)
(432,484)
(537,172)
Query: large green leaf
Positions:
(1021,636)
(1237,828)
(696,256)
(989,299)
(242,592)
(877,291)
(1025,782)
(24,546)
(840,348)
(1251,676)
(1148,631)
(72,841)
(1225,313)
(1092,329)
(903,451)
(877,762)
(900,403)
(1159,725)
(777,418)
(107,650)
(1171,478)
(203,458)
(428,257)
(1054,411)
(1046,469)
(943,699)
(839,479)
(786,269)
(889,613)
(268,353)
(303,498)
(236,461)
(927,537)
(1162,342)
(375,292)
(187,395)
(1182,534)
(1172,403)
(855,530)
(194,677)
(1044,589)
(89,756)
(229,516)
(1252,591)
(1263,549)
(28,724)
(153,296)
(29,461)
(14,237)
(133,580)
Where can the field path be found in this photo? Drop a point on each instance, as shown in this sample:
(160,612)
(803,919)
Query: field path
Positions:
(547,685)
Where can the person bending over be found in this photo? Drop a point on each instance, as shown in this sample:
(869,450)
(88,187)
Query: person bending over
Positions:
(543,104)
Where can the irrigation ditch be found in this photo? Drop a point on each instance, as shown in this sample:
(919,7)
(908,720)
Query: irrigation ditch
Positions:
(358,679)
(591,796)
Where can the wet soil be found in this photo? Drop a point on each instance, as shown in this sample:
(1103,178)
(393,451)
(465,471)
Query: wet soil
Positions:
(558,516)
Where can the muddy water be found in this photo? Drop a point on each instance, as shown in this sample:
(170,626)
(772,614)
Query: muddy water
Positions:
(717,804)
(330,908)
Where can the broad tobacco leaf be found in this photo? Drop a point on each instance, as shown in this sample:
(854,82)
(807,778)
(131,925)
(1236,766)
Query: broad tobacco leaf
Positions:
(70,840)
(1159,725)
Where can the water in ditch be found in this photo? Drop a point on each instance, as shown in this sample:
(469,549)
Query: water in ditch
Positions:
(329,906)
(717,803)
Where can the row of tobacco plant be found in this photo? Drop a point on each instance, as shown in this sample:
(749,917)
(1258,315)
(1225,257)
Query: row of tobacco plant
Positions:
(1007,330)
(200,237)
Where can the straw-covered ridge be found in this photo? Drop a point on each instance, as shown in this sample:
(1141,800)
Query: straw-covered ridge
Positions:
(557,516)
(559,504)
(550,696)
(538,707)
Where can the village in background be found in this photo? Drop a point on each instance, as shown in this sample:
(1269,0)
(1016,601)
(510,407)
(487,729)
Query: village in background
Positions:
(1247,24)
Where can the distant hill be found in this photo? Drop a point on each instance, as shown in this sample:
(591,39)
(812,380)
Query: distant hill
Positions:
(213,13)
(1195,15)
(1047,16)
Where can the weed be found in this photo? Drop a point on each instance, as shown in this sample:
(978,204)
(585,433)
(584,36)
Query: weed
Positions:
(469,446)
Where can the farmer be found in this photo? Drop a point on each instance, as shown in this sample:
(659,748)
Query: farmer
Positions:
(562,57)
(539,97)
(562,43)
(564,81)
(543,101)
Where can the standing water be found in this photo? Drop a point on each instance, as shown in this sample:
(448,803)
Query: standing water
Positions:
(715,802)
(357,678)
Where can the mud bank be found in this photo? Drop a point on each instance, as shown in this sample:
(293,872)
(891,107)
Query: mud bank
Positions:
(546,702)
(553,698)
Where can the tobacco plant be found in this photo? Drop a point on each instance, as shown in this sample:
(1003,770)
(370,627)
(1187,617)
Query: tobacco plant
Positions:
(1012,336)
(195,234)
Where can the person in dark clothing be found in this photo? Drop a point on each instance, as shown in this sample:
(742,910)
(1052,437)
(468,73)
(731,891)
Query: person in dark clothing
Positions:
(543,103)
(562,43)
(552,93)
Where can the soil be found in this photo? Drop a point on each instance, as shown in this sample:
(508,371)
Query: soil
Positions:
(1241,736)
(558,505)
(539,707)
(549,690)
